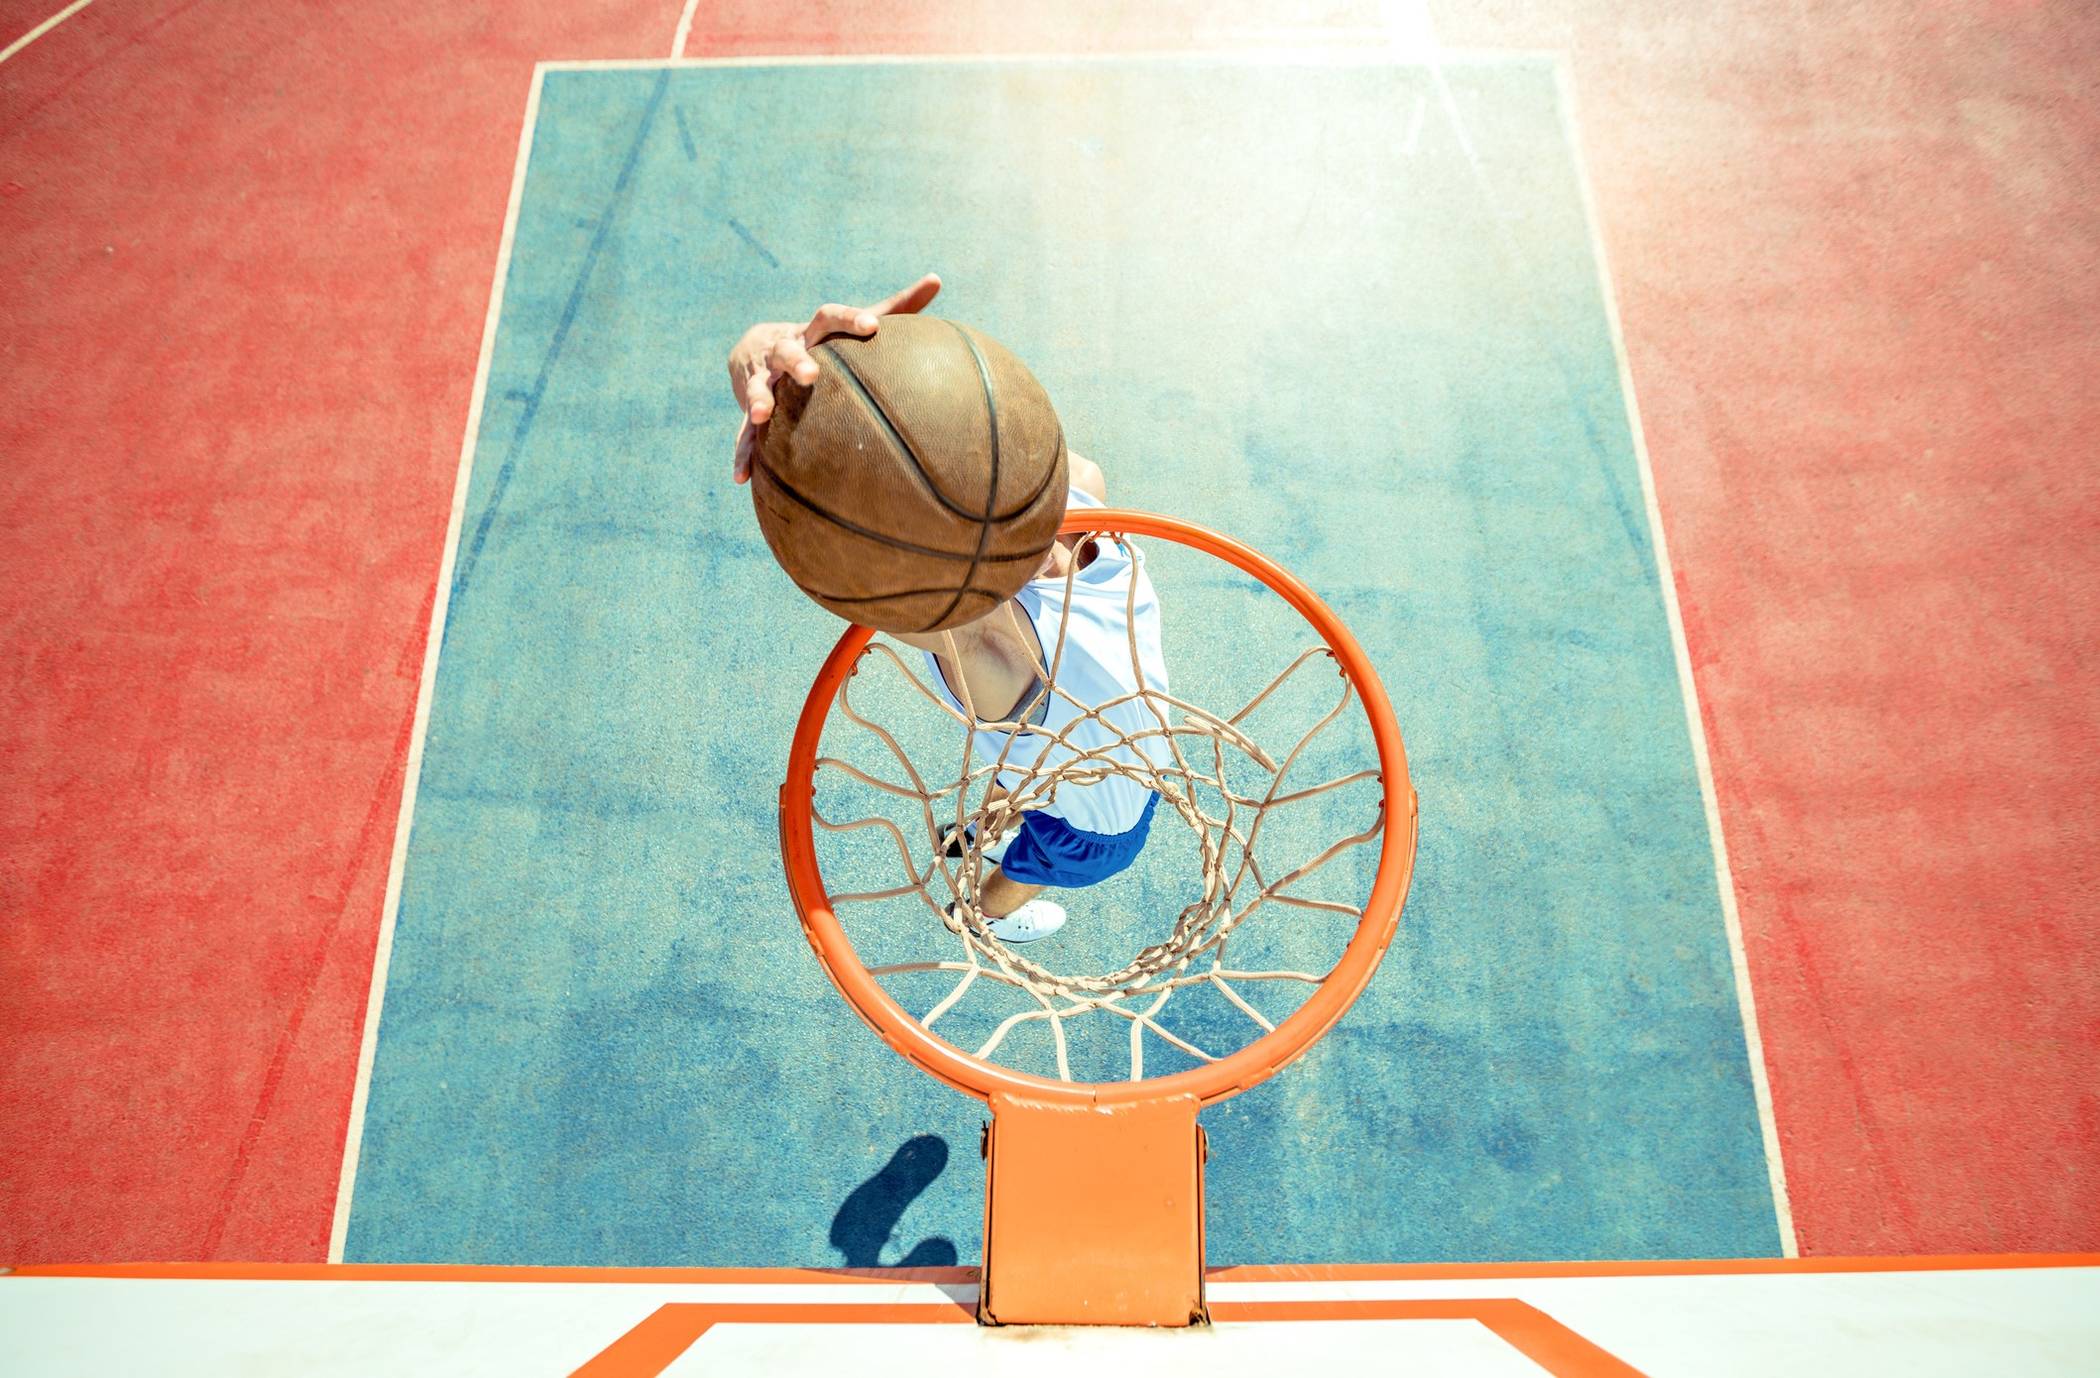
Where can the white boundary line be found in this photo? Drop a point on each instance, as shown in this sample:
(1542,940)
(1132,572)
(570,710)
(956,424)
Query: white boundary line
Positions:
(1266,57)
(46,27)
(382,957)
(1753,1043)
(685,28)
(1408,27)
(1397,55)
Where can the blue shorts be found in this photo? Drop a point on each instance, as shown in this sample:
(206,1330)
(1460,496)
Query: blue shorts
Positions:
(1049,851)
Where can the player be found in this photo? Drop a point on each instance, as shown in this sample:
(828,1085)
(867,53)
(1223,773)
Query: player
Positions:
(1084,833)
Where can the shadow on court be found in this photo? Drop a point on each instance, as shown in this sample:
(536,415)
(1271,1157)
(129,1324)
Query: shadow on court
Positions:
(867,1220)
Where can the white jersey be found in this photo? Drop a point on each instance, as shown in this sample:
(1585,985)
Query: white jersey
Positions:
(1094,668)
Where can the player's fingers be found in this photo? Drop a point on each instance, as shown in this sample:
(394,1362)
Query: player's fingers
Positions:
(912,298)
(833,319)
(746,446)
(790,358)
(758,397)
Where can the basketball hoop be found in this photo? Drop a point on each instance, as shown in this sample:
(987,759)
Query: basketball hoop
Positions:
(1144,1127)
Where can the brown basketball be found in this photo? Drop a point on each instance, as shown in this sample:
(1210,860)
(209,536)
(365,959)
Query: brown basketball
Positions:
(917,484)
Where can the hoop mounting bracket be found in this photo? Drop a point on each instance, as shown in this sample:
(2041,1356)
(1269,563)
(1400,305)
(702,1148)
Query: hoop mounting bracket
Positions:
(1093,1214)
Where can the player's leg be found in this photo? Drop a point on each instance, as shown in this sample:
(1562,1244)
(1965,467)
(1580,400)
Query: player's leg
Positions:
(1012,910)
(1048,851)
(1001,894)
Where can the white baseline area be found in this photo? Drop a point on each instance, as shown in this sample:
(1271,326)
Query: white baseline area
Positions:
(2036,1317)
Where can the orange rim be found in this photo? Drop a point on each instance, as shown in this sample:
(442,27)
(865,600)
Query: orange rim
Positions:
(1213,1081)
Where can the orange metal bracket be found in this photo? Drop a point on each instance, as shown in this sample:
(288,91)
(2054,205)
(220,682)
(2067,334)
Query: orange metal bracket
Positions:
(1093,1214)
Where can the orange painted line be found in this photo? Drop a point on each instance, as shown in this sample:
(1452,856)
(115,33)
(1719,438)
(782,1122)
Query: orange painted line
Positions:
(1522,1326)
(470,1272)
(671,1330)
(1551,1345)
(1311,1272)
(1635,1268)
(654,1344)
(648,1348)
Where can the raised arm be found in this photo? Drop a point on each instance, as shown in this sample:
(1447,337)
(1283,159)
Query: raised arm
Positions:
(774,349)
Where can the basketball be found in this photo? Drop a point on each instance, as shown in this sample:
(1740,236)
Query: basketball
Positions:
(917,484)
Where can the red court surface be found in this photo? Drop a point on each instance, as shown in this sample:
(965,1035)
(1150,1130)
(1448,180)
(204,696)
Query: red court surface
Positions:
(1856,252)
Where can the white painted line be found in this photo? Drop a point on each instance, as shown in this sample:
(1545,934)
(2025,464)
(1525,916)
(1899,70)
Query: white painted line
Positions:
(1413,140)
(1724,880)
(685,28)
(2034,1322)
(347,1183)
(1267,57)
(46,27)
(382,956)
(1752,1041)
(1406,28)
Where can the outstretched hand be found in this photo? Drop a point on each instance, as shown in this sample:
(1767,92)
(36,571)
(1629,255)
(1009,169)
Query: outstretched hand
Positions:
(779,349)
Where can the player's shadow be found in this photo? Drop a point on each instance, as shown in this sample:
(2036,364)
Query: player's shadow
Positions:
(867,1221)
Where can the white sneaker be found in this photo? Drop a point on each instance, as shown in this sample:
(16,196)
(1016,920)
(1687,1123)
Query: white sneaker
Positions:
(1033,920)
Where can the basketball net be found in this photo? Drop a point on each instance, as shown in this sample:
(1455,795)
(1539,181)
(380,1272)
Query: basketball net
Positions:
(1186,754)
